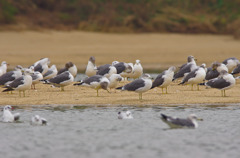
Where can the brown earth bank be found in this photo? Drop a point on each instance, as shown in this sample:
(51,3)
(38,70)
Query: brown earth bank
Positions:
(156,51)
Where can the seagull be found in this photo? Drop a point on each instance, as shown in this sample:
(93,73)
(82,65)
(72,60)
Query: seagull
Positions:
(61,80)
(91,67)
(236,70)
(128,74)
(41,65)
(69,67)
(36,78)
(21,84)
(231,63)
(96,82)
(137,70)
(52,72)
(223,82)
(164,79)
(10,76)
(215,70)
(106,70)
(189,122)
(114,79)
(8,116)
(3,68)
(122,67)
(186,68)
(139,85)
(125,115)
(195,77)
(37,120)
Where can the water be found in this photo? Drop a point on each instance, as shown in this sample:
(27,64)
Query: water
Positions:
(97,133)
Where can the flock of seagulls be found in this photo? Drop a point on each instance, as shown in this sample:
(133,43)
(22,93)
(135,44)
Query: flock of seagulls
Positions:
(108,76)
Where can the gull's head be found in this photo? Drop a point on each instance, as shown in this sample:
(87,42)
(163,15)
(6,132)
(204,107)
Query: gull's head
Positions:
(4,63)
(8,107)
(223,72)
(28,72)
(115,62)
(18,67)
(215,65)
(203,65)
(92,59)
(104,85)
(172,68)
(69,65)
(194,117)
(137,61)
(191,58)
(147,76)
(37,118)
(128,113)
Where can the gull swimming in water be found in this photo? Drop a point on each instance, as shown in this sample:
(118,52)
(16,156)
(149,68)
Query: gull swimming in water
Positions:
(37,120)
(125,115)
(8,116)
(189,122)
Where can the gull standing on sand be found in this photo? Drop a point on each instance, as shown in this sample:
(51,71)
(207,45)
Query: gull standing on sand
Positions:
(122,67)
(137,70)
(190,122)
(41,65)
(106,70)
(91,67)
(3,68)
(21,84)
(61,80)
(236,70)
(69,67)
(139,85)
(8,116)
(10,76)
(114,79)
(164,79)
(37,120)
(215,70)
(125,115)
(52,72)
(96,82)
(223,82)
(231,63)
(128,74)
(36,78)
(195,77)
(186,68)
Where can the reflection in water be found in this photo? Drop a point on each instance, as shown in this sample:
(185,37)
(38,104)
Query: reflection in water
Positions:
(96,132)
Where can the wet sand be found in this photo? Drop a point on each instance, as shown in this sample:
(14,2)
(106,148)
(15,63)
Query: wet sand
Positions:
(156,51)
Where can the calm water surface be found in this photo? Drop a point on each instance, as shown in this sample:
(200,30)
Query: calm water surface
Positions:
(97,133)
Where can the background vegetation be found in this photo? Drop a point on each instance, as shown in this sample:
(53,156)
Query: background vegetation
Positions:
(182,16)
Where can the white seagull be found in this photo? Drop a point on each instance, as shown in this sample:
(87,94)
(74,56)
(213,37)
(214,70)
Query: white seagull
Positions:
(231,63)
(37,120)
(139,85)
(96,82)
(62,80)
(91,67)
(21,84)
(137,70)
(189,122)
(69,67)
(36,78)
(3,68)
(8,116)
(186,68)
(42,65)
(52,72)
(164,79)
(223,82)
(195,77)
(114,79)
(125,115)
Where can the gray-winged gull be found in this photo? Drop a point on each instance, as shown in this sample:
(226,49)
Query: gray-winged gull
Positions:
(8,116)
(52,72)
(10,76)
(236,70)
(61,80)
(139,85)
(114,79)
(3,68)
(21,84)
(125,115)
(231,63)
(91,67)
(186,68)
(137,70)
(223,82)
(36,78)
(96,82)
(215,70)
(37,120)
(164,79)
(106,70)
(195,77)
(42,65)
(122,67)
(69,67)
(189,122)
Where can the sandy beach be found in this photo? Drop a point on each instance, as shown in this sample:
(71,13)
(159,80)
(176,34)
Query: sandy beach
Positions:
(156,51)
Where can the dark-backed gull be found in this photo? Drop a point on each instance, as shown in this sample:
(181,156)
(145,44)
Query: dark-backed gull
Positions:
(236,70)
(106,70)
(231,63)
(52,72)
(42,65)
(36,78)
(164,79)
(215,70)
(69,67)
(10,76)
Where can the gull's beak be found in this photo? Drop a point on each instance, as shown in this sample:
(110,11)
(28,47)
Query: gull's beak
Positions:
(199,119)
